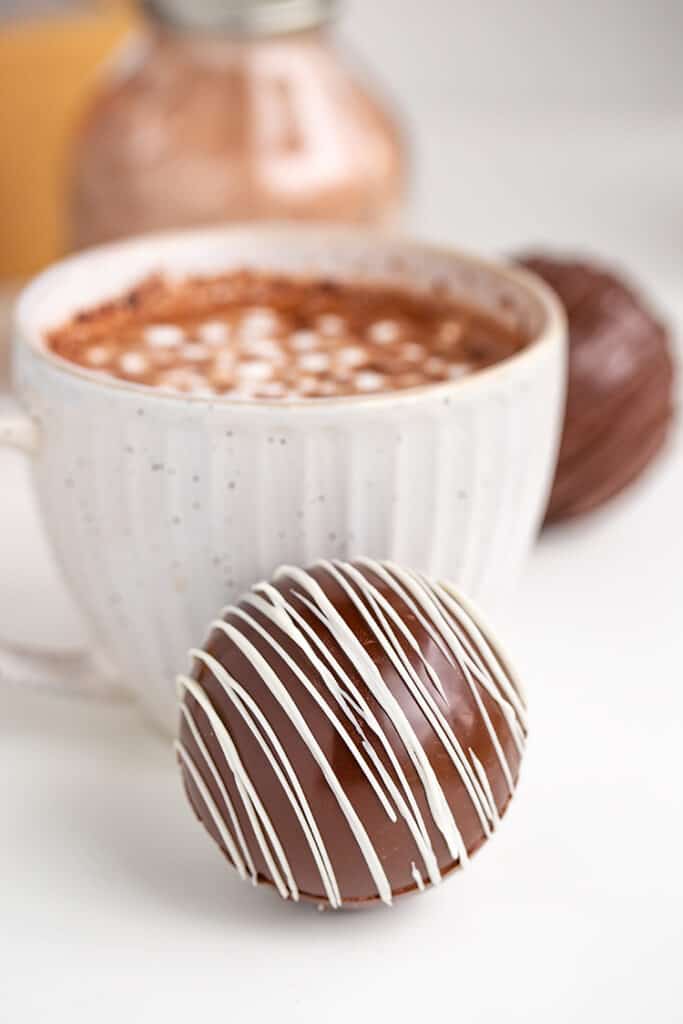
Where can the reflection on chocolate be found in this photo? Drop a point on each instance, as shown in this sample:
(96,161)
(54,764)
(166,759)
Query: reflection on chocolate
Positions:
(350,733)
(620,402)
(248,335)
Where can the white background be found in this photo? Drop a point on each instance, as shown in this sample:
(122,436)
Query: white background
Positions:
(531,122)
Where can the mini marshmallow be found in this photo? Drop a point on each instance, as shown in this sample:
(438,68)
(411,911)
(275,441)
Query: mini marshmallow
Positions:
(263,348)
(258,323)
(304,341)
(331,324)
(213,333)
(368,380)
(384,332)
(314,362)
(133,363)
(271,389)
(98,355)
(181,379)
(163,335)
(254,370)
(351,355)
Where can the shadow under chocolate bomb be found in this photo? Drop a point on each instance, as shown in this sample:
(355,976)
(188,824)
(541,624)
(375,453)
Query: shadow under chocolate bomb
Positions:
(620,393)
(350,733)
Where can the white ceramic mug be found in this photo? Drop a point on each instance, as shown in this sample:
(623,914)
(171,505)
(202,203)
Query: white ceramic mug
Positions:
(163,508)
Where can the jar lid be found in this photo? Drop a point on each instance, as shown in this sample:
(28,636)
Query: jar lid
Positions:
(242,17)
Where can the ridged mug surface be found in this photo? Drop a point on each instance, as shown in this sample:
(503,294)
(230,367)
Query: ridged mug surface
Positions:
(162,509)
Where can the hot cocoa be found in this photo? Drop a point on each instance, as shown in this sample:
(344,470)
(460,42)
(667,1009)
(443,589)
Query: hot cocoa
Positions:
(249,335)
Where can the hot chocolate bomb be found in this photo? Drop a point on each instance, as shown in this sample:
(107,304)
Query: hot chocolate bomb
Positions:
(350,733)
(620,391)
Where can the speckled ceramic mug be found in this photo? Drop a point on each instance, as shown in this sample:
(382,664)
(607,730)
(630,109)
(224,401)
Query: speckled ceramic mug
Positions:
(161,509)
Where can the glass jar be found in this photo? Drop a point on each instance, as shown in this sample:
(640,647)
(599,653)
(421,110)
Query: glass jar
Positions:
(226,110)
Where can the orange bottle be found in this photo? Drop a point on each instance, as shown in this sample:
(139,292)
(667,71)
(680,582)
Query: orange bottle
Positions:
(47,64)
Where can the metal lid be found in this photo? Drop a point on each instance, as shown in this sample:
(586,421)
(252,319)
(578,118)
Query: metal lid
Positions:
(242,17)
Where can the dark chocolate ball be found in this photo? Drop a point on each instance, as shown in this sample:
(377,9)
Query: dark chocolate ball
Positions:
(350,733)
(620,394)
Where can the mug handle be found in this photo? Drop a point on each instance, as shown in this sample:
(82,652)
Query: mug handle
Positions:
(77,671)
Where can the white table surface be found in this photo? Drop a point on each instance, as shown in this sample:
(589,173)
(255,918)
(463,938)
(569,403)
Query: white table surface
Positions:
(115,906)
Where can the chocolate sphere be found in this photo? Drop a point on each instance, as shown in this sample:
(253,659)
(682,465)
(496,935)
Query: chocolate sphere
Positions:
(350,733)
(619,401)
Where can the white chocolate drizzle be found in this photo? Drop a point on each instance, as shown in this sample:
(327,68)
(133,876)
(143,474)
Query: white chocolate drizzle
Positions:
(449,623)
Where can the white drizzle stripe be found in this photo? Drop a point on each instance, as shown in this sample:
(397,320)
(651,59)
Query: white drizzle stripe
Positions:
(290,623)
(476,662)
(210,805)
(468,609)
(517,728)
(268,611)
(481,771)
(397,621)
(462,609)
(380,569)
(421,695)
(415,821)
(516,721)
(252,804)
(519,735)
(284,618)
(413,683)
(417,877)
(457,642)
(363,708)
(421,837)
(234,820)
(294,793)
(291,620)
(420,588)
(281,694)
(339,629)
(473,666)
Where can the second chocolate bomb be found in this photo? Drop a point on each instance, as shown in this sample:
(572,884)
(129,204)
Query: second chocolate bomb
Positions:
(619,401)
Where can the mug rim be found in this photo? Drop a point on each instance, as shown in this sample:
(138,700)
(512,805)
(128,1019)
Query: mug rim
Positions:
(552,330)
